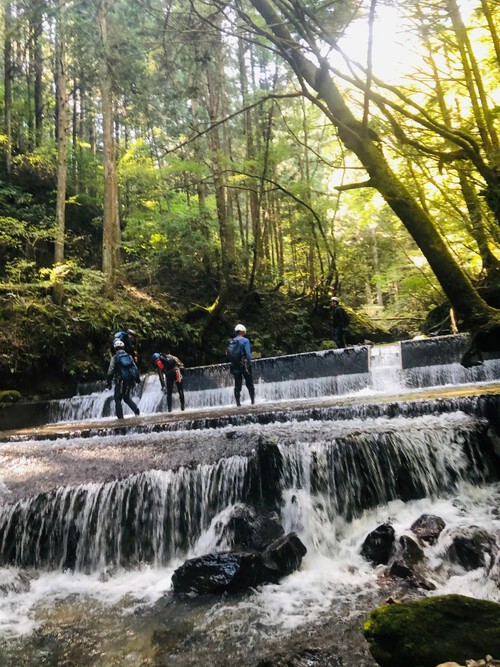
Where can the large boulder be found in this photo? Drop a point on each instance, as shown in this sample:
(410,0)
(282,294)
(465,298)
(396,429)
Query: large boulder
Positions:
(379,545)
(249,530)
(233,572)
(423,633)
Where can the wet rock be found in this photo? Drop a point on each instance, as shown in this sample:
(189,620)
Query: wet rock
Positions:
(473,548)
(14,581)
(399,569)
(378,546)
(423,633)
(411,553)
(428,527)
(248,529)
(232,572)
(284,555)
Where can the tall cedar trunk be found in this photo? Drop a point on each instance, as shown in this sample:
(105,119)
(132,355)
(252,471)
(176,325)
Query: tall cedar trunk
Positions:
(491,265)
(7,62)
(111,226)
(215,85)
(249,133)
(62,131)
(37,32)
(456,285)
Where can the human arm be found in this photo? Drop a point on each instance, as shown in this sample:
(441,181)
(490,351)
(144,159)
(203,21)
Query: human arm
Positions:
(247,351)
(160,370)
(111,372)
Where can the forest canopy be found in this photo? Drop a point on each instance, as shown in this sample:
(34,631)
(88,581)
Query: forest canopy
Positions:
(184,165)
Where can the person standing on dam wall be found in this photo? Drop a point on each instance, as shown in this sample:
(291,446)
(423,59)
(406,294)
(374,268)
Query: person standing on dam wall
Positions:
(125,373)
(340,322)
(239,355)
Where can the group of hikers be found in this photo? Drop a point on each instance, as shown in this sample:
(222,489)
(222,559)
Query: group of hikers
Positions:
(123,364)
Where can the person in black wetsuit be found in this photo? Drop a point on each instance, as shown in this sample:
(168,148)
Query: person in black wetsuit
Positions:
(241,365)
(168,368)
(340,321)
(125,377)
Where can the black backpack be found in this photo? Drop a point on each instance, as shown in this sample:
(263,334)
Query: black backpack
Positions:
(234,351)
(168,361)
(127,370)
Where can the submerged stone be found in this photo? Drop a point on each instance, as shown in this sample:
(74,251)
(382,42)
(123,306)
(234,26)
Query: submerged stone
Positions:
(423,633)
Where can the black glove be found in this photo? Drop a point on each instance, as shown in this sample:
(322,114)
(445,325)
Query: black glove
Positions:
(108,384)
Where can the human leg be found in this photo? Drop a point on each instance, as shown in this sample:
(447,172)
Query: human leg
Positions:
(238,381)
(169,383)
(247,374)
(118,399)
(338,337)
(180,389)
(127,387)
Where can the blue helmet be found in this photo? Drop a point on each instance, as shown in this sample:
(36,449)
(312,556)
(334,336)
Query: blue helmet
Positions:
(156,356)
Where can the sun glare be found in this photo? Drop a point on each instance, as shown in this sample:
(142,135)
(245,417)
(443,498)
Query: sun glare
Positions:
(395,49)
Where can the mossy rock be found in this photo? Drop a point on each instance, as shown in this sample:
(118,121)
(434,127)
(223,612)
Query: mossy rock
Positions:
(10,396)
(424,633)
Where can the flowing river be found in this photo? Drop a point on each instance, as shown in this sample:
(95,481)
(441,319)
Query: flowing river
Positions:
(94,519)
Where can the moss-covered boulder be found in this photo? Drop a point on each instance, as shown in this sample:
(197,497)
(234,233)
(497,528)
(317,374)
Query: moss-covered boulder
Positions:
(424,633)
(9,396)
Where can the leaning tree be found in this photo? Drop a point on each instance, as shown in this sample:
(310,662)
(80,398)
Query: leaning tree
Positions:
(301,32)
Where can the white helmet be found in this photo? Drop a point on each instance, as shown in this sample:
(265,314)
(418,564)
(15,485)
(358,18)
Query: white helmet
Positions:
(240,327)
(118,343)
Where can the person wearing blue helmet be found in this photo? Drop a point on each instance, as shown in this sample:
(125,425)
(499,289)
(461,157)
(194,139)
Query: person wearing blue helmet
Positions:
(168,368)
(127,337)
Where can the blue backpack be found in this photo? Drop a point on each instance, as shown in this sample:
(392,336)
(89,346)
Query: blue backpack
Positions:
(127,370)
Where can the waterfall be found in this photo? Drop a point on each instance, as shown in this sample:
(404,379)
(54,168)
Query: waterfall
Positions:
(147,518)
(155,516)
(95,517)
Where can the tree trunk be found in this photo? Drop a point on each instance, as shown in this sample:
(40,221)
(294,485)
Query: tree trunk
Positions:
(215,107)
(111,226)
(456,285)
(8,86)
(62,131)
(37,31)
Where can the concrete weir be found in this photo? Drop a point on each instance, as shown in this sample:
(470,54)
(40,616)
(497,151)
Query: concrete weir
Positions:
(361,370)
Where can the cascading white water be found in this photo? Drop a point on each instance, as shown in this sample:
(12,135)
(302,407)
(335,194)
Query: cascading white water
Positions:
(339,480)
(386,368)
(91,565)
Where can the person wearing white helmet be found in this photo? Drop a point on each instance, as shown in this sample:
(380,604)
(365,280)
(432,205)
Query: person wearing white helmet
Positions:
(124,372)
(240,357)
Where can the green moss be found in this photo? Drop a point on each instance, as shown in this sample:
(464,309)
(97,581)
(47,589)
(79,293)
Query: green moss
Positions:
(10,396)
(423,633)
